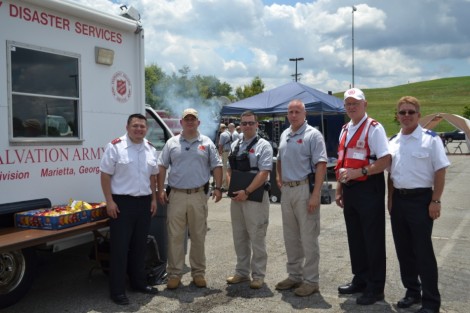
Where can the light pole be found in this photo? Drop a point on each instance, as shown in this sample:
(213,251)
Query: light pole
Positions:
(353,10)
(296,60)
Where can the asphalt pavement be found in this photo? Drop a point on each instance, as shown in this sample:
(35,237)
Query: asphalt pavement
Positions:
(64,282)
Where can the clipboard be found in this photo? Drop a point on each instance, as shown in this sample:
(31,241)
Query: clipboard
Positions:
(240,180)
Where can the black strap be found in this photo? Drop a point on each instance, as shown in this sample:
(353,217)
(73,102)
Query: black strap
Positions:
(237,149)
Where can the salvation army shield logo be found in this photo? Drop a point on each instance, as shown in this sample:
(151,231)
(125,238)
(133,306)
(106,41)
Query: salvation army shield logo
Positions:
(121,87)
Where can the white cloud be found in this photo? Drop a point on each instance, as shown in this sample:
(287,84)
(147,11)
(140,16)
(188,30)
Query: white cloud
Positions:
(395,41)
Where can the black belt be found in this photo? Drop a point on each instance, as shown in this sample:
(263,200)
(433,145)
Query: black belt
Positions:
(135,197)
(414,191)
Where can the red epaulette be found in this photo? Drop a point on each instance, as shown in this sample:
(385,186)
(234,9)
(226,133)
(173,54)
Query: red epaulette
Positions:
(151,144)
(374,123)
(115,141)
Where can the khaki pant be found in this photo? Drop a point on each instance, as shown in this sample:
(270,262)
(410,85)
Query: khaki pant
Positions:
(249,225)
(187,210)
(224,163)
(301,231)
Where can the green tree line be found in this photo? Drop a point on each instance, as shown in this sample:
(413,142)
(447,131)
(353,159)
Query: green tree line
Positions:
(159,86)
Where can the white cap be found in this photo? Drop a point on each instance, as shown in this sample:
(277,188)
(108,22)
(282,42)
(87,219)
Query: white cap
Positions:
(355,93)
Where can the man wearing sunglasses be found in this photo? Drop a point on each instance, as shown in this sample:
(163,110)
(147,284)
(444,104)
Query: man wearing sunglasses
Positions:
(250,156)
(362,158)
(415,186)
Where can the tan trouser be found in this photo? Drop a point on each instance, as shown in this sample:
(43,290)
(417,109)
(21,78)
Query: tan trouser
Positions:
(224,163)
(301,230)
(249,225)
(187,210)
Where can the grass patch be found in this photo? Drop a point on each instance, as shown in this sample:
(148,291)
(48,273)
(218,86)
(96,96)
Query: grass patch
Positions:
(446,95)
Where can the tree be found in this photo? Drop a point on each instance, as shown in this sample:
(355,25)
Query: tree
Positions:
(466,112)
(256,87)
(163,91)
(153,75)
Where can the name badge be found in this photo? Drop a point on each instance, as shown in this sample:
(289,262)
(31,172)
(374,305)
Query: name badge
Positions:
(360,144)
(358,154)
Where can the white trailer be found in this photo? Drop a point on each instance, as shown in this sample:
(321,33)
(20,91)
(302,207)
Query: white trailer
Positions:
(69,78)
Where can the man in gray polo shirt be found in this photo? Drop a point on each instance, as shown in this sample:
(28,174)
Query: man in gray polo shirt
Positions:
(250,219)
(191,156)
(301,151)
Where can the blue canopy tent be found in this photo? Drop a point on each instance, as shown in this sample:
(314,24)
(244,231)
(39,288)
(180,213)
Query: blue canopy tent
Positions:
(324,111)
(275,101)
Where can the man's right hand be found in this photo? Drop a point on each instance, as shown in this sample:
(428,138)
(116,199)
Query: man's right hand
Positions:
(162,197)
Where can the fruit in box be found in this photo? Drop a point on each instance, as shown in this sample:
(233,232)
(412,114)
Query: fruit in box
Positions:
(57,217)
(62,216)
(97,211)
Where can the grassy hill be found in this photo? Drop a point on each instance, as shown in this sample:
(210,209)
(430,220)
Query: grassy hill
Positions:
(446,95)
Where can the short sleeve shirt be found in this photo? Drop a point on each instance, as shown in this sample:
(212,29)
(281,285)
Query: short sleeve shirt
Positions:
(300,151)
(225,140)
(189,162)
(415,159)
(130,166)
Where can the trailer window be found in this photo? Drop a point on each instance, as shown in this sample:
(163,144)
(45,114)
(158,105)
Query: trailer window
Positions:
(44,88)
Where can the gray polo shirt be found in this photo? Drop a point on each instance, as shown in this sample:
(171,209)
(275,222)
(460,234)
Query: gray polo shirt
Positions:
(260,155)
(300,151)
(225,140)
(190,162)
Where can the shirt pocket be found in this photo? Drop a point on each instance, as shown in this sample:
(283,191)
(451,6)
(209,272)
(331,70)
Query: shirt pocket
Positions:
(123,160)
(420,154)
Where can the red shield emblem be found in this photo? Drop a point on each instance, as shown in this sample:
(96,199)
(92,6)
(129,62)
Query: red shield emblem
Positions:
(121,87)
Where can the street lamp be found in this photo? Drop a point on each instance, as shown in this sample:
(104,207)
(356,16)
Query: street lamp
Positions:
(353,10)
(296,60)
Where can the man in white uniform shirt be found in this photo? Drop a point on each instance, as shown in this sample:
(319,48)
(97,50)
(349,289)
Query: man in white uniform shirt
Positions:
(415,186)
(128,179)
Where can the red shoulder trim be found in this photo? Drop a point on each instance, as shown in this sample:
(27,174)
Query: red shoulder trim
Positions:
(115,141)
(374,123)
(151,144)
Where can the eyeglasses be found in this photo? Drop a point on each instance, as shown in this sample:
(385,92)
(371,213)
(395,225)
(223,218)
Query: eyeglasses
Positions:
(409,112)
(350,104)
(251,123)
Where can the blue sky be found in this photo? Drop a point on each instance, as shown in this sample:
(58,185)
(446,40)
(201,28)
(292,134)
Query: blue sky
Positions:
(395,42)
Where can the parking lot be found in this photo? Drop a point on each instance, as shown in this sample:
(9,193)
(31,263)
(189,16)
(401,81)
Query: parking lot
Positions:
(64,282)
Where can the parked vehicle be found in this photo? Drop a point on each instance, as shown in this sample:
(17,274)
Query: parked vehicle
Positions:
(71,76)
(453,135)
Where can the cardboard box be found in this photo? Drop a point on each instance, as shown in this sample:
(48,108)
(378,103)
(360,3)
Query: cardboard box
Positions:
(50,218)
(98,212)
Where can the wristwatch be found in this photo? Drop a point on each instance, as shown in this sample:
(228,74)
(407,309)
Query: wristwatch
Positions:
(364,171)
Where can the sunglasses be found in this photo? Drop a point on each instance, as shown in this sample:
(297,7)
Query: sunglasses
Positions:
(409,112)
(248,123)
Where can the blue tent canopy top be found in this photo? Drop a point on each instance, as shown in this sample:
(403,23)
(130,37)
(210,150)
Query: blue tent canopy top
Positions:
(275,101)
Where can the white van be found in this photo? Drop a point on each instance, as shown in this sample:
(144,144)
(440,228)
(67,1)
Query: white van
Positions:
(71,76)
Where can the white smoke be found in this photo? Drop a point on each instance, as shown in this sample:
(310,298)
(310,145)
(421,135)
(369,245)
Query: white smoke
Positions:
(176,101)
